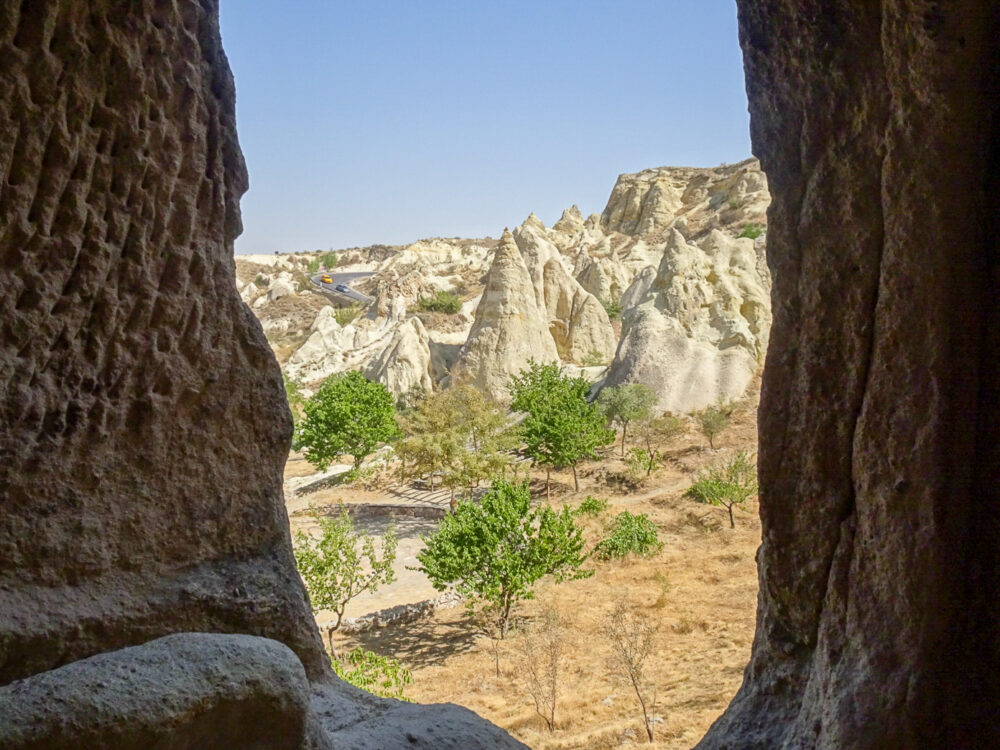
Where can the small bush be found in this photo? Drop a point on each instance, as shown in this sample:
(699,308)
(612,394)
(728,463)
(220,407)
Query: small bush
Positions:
(313,266)
(345,315)
(442,302)
(642,462)
(261,281)
(629,534)
(728,485)
(613,308)
(592,506)
(379,675)
(328,260)
(594,359)
(753,231)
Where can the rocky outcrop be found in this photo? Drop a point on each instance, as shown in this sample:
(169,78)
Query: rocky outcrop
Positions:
(181,691)
(878,624)
(695,200)
(405,363)
(510,327)
(577,321)
(699,332)
(143,422)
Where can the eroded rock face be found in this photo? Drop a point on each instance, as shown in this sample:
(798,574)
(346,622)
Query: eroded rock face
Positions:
(510,328)
(128,360)
(181,691)
(878,623)
(143,423)
(696,330)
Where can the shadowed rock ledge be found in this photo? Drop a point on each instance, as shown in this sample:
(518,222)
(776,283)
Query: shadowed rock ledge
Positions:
(143,424)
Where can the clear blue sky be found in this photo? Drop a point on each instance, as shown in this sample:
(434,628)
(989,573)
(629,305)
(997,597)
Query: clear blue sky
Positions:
(367,121)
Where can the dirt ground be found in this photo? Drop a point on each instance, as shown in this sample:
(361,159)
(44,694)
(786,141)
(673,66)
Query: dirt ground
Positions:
(700,591)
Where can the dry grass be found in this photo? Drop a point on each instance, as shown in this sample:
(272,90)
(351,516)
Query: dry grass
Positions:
(700,589)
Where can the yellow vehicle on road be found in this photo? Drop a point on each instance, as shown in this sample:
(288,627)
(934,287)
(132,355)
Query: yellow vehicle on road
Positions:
(325,278)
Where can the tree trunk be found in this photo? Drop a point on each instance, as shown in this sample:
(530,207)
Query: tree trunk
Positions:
(624,430)
(732,523)
(548,480)
(576,482)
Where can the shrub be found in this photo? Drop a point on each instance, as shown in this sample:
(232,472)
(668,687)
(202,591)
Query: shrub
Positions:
(613,308)
(313,265)
(594,359)
(753,231)
(728,485)
(344,315)
(261,281)
(442,302)
(592,506)
(380,675)
(629,534)
(328,260)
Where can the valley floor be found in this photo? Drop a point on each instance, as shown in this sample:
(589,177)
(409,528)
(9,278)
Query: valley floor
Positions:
(700,590)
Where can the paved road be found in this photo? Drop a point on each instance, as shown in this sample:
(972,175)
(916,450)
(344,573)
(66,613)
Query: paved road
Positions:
(342,279)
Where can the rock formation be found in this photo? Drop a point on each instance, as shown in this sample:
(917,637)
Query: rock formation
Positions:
(406,362)
(699,332)
(510,327)
(143,424)
(577,321)
(878,622)
(648,202)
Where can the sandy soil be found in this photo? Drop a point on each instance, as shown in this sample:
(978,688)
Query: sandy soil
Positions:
(700,591)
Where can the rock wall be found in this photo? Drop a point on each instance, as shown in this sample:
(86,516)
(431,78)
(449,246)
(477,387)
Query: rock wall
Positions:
(143,424)
(877,126)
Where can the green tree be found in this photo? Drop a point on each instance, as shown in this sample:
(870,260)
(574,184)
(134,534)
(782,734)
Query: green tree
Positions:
(459,433)
(329,260)
(728,484)
(560,427)
(622,404)
(341,564)
(713,421)
(494,551)
(348,415)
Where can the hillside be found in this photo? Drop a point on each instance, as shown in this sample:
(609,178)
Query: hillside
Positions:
(668,286)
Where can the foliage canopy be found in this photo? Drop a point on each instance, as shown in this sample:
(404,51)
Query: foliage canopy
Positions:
(348,415)
(494,551)
(560,427)
(622,404)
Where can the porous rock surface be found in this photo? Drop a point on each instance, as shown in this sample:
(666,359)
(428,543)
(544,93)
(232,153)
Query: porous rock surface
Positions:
(180,691)
(878,622)
(143,423)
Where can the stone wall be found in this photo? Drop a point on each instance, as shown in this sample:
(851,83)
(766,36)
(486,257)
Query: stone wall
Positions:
(876,124)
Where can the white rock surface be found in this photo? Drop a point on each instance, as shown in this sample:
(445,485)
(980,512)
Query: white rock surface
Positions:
(406,362)
(510,328)
(577,321)
(700,332)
